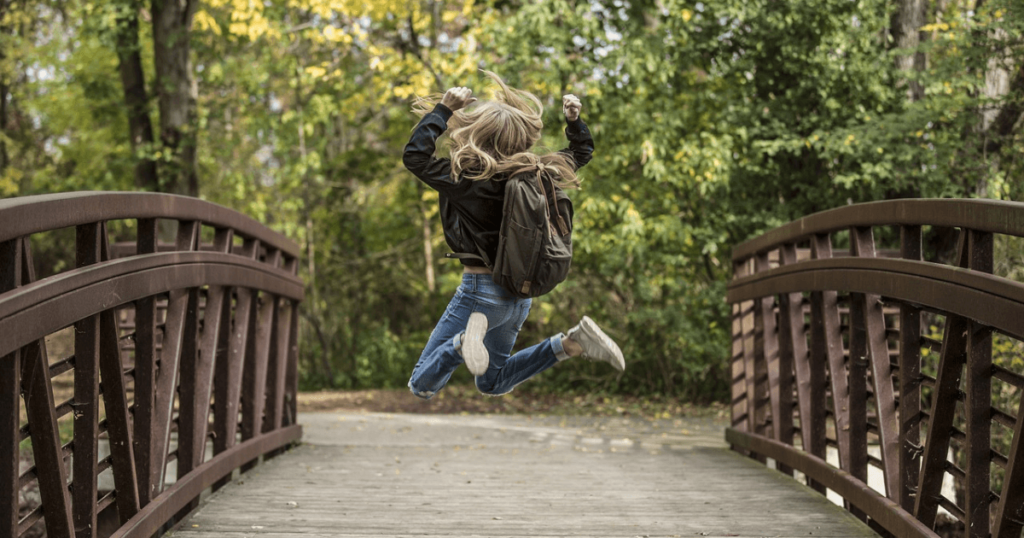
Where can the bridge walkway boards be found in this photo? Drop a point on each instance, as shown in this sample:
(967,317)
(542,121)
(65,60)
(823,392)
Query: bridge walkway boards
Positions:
(513,476)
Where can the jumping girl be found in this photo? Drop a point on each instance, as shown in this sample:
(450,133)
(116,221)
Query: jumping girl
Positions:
(489,142)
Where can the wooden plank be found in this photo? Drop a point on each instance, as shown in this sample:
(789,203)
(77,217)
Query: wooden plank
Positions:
(10,401)
(944,398)
(1009,517)
(87,398)
(810,380)
(509,478)
(145,374)
(42,419)
(873,324)
(856,367)
(738,362)
(978,404)
(910,381)
(827,348)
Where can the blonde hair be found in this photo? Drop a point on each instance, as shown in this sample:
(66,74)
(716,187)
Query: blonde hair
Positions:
(492,139)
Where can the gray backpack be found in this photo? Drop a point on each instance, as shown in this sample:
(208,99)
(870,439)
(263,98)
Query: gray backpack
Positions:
(535,241)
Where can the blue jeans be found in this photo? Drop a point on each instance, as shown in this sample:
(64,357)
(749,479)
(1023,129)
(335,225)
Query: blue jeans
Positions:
(505,316)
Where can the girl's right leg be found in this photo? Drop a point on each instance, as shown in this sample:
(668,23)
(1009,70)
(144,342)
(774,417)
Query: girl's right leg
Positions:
(441,355)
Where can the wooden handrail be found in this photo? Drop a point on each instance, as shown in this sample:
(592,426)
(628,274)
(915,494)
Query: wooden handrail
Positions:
(846,346)
(238,348)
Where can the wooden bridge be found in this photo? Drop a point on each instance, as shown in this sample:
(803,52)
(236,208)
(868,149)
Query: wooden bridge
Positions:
(886,380)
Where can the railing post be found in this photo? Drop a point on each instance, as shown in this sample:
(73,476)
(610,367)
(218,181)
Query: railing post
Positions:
(10,402)
(86,403)
(978,404)
(145,373)
(910,381)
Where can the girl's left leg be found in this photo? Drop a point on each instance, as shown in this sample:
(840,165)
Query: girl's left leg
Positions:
(441,355)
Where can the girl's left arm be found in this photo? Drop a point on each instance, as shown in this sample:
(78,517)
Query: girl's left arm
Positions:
(419,152)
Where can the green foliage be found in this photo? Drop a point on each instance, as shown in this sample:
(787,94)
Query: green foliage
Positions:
(714,121)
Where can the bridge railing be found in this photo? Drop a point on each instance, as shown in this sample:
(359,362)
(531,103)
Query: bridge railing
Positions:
(830,358)
(181,366)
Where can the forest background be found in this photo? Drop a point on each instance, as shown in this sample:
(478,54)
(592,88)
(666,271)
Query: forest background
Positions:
(713,120)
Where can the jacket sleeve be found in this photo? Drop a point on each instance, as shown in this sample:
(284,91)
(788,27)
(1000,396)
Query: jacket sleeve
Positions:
(419,152)
(581,144)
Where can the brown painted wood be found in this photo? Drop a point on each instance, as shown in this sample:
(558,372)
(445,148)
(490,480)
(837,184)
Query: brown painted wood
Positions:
(875,341)
(940,424)
(86,401)
(827,349)
(10,401)
(115,403)
(909,380)
(740,407)
(277,372)
(254,375)
(794,356)
(42,419)
(145,373)
(292,379)
(178,346)
(780,391)
(1009,520)
(978,404)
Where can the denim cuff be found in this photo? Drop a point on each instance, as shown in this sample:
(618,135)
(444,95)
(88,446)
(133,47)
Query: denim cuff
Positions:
(556,346)
(457,343)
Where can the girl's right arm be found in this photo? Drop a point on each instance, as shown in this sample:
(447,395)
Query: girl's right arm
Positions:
(419,152)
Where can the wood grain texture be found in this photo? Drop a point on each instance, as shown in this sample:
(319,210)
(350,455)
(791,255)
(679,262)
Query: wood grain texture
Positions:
(435,475)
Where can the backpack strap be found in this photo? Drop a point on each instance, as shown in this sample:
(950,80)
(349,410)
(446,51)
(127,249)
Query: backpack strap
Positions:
(540,183)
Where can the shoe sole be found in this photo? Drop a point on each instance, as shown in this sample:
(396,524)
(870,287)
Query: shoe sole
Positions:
(620,362)
(473,350)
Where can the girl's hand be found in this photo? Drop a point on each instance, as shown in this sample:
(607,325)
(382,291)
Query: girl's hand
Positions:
(458,97)
(571,107)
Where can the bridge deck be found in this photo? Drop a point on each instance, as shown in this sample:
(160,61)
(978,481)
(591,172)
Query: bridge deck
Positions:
(444,475)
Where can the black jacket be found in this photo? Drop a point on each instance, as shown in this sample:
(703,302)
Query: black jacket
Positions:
(471,210)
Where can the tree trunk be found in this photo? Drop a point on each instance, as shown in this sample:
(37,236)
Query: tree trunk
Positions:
(3,97)
(176,87)
(133,80)
(906,31)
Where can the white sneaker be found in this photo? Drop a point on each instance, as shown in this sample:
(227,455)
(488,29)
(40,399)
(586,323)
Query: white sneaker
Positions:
(473,350)
(596,345)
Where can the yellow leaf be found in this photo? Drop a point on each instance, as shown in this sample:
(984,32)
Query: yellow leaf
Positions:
(687,15)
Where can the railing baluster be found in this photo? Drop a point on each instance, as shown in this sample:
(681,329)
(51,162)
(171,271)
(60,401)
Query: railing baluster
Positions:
(178,346)
(978,404)
(739,362)
(940,424)
(873,324)
(292,381)
(46,445)
(254,376)
(10,401)
(827,349)
(857,372)
(909,379)
(780,387)
(794,358)
(276,381)
(1010,513)
(145,373)
(86,403)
